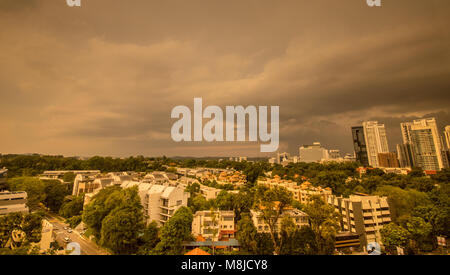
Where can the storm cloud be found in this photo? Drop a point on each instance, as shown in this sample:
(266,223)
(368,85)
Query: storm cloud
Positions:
(102,79)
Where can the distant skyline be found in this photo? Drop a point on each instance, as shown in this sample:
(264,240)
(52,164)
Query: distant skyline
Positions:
(102,79)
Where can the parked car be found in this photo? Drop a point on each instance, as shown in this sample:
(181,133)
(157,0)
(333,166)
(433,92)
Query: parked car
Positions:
(67,239)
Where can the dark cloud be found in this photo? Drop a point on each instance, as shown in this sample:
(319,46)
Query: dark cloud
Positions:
(103,79)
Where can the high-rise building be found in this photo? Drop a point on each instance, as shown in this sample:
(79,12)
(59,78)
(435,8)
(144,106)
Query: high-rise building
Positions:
(376,141)
(405,155)
(313,153)
(447,136)
(426,143)
(359,143)
(388,160)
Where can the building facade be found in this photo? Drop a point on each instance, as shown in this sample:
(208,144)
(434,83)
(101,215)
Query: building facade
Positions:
(426,143)
(388,160)
(214,225)
(313,153)
(376,141)
(13,202)
(362,214)
(298,217)
(160,202)
(359,144)
(447,136)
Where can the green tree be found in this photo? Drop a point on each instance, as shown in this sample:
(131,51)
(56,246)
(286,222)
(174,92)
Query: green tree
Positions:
(34,188)
(55,193)
(246,235)
(394,235)
(121,228)
(420,232)
(174,232)
(271,203)
(72,208)
(149,239)
(324,223)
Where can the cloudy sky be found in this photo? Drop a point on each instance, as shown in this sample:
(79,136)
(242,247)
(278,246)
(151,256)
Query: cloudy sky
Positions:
(102,79)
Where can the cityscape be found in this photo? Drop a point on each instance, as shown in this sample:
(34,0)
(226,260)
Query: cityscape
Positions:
(249,132)
(316,203)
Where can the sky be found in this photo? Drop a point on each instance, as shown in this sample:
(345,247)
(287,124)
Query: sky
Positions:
(102,79)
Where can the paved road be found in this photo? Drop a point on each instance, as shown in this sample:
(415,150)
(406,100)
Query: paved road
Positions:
(87,247)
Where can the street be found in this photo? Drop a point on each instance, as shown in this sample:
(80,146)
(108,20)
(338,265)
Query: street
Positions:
(87,247)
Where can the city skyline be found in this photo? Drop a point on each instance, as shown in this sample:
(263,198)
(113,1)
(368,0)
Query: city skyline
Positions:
(102,79)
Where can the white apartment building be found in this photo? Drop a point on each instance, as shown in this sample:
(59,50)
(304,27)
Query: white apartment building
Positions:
(362,214)
(376,141)
(13,202)
(426,143)
(298,217)
(160,202)
(213,224)
(209,193)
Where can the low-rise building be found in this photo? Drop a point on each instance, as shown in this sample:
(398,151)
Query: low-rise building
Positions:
(209,193)
(301,193)
(214,225)
(363,214)
(160,202)
(13,202)
(60,174)
(298,217)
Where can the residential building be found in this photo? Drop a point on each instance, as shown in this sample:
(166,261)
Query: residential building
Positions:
(426,143)
(160,202)
(89,183)
(214,225)
(313,153)
(359,144)
(13,202)
(298,217)
(388,160)
(376,141)
(209,193)
(363,214)
(301,193)
(347,240)
(60,174)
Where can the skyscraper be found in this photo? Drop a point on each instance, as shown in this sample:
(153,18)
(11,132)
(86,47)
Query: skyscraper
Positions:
(376,141)
(359,143)
(405,155)
(426,143)
(447,136)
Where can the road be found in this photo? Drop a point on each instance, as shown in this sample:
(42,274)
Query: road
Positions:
(87,247)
